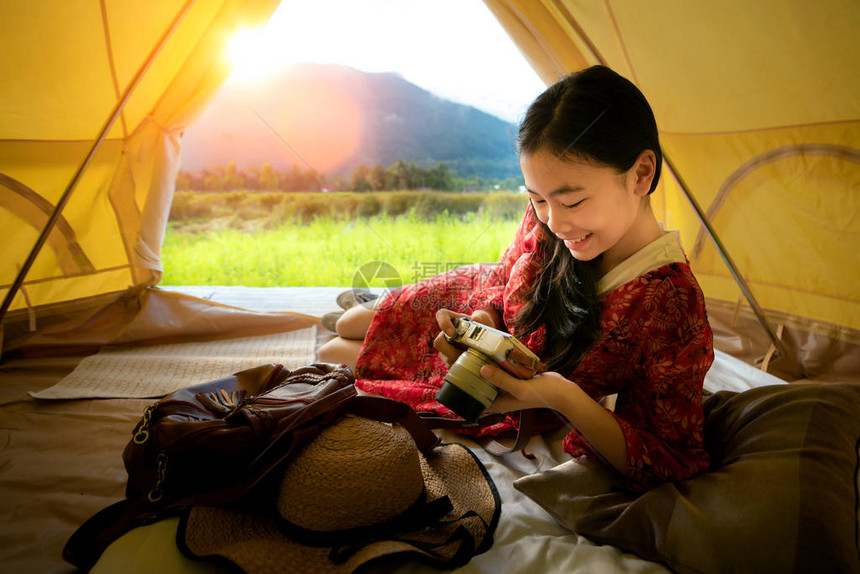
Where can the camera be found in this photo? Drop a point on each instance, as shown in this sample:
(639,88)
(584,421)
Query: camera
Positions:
(465,391)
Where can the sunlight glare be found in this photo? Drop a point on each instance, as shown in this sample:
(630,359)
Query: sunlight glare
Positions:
(455,49)
(252,55)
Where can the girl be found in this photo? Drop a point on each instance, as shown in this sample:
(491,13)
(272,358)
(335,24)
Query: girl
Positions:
(591,284)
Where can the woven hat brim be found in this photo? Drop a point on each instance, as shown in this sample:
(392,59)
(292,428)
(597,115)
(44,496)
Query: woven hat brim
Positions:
(255,543)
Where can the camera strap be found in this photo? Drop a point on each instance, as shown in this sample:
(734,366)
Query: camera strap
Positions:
(524,433)
(532,363)
(491,445)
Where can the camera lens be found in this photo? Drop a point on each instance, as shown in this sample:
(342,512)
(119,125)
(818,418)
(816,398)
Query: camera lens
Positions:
(465,391)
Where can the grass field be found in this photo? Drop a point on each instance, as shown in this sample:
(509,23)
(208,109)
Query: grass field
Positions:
(327,250)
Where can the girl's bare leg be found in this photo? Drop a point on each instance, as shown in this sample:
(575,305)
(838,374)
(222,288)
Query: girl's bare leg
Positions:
(351,329)
(340,350)
(355,322)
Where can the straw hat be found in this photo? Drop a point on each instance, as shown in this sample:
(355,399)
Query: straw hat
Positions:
(361,490)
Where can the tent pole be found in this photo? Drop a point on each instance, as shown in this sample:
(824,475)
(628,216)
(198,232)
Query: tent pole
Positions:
(727,259)
(64,198)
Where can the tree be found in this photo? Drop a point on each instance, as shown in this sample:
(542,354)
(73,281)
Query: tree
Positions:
(360,178)
(213,179)
(268,177)
(232,181)
(251,178)
(292,180)
(318,181)
(338,183)
(377,178)
(438,177)
(397,175)
(414,176)
(183,180)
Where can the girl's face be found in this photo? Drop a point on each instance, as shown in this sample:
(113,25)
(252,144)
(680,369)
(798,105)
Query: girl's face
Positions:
(591,207)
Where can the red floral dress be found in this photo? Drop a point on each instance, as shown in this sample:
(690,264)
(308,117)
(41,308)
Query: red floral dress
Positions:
(654,349)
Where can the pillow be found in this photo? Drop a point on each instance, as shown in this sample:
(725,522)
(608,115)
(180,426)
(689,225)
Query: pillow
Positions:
(781,494)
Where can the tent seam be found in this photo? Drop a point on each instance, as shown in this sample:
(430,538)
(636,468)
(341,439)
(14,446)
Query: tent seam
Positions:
(70,276)
(573,23)
(112,65)
(764,129)
(621,41)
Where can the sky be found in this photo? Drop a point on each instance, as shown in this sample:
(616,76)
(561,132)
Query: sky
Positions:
(455,49)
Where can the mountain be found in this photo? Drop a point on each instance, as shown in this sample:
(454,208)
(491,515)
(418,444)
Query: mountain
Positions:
(331,118)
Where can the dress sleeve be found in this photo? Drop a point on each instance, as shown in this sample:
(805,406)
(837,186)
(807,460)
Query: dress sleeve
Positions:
(491,292)
(669,348)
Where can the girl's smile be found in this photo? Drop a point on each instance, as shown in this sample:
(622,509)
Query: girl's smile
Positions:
(577,244)
(591,207)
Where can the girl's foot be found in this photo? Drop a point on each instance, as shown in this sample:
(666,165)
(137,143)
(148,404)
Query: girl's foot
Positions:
(329,320)
(353,297)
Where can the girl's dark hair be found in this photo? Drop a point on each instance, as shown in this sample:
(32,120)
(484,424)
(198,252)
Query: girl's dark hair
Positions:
(593,115)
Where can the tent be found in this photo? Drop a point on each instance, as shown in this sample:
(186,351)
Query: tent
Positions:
(92,110)
(758,102)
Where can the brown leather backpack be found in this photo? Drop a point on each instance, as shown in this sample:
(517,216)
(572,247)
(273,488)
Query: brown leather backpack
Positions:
(211,443)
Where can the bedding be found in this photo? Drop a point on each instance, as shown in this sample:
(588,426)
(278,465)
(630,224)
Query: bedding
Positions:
(527,538)
(784,466)
(60,462)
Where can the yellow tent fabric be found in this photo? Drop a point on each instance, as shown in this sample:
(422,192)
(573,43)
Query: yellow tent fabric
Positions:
(759,109)
(65,66)
(758,102)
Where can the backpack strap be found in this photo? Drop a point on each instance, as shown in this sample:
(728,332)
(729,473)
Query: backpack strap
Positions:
(91,538)
(390,411)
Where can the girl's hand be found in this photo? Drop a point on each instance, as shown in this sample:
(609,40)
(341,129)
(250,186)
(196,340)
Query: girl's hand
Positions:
(448,351)
(553,391)
(489,317)
(444,317)
(547,390)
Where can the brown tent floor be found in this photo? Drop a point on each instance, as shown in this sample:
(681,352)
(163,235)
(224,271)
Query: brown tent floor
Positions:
(60,461)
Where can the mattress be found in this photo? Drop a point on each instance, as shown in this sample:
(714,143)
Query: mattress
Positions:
(60,462)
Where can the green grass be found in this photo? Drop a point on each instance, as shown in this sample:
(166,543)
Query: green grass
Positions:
(328,250)
(303,207)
